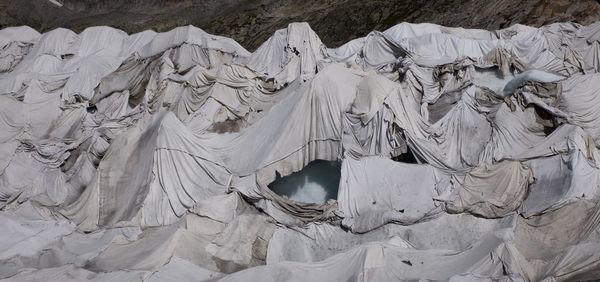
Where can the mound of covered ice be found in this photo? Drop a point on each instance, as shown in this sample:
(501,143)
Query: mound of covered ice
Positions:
(181,156)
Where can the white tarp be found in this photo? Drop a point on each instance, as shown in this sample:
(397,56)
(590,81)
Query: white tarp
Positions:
(466,155)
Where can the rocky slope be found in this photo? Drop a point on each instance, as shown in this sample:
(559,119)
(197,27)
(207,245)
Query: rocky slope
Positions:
(252,22)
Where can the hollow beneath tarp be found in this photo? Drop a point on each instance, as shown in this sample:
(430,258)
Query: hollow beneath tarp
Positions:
(315,183)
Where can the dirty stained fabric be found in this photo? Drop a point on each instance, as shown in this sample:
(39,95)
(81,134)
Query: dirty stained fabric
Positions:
(464,155)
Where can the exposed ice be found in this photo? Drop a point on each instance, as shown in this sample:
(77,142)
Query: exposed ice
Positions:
(492,79)
(315,183)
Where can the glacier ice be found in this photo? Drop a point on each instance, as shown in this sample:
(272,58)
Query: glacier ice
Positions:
(421,152)
(315,183)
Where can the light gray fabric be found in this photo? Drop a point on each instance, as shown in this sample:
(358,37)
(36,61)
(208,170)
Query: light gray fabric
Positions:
(465,155)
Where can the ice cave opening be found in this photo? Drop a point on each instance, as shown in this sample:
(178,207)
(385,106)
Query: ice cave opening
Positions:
(315,183)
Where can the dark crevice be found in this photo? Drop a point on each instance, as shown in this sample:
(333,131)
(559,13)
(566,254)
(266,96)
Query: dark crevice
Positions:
(407,157)
(546,119)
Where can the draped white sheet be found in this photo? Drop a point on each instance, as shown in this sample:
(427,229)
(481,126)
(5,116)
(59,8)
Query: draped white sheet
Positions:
(466,155)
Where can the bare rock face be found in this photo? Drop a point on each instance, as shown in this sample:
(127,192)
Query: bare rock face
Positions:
(251,22)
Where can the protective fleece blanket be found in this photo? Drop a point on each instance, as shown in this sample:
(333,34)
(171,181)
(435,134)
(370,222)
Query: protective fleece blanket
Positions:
(457,155)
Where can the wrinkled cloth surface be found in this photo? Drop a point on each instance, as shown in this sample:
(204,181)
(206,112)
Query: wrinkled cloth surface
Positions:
(465,155)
